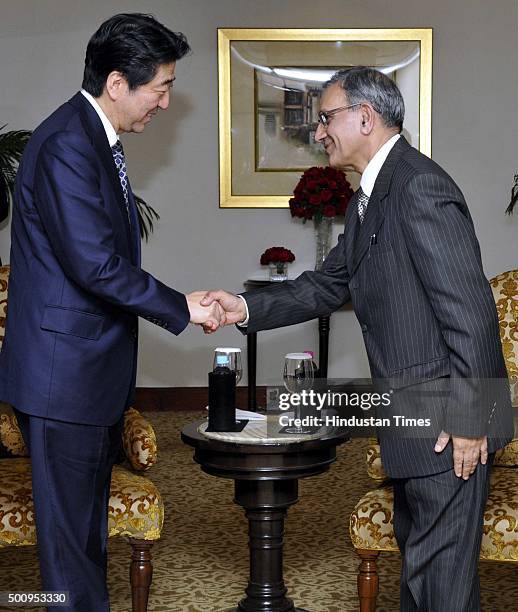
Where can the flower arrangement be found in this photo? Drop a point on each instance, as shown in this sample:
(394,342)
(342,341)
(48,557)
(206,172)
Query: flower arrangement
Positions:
(277,255)
(278,259)
(320,192)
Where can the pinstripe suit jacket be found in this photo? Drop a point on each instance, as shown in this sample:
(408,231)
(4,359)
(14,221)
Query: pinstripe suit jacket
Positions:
(424,305)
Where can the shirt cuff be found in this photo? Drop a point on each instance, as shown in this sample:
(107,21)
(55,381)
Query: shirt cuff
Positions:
(245,322)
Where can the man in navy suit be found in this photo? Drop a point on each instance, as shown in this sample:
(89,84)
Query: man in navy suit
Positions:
(76,290)
(410,263)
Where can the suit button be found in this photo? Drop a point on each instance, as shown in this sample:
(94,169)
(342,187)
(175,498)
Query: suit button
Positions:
(364,327)
(134,332)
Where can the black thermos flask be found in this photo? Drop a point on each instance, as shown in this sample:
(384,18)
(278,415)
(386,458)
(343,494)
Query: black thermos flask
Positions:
(222,398)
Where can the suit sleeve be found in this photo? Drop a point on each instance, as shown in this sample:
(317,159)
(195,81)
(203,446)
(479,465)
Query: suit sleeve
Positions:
(311,295)
(441,240)
(72,210)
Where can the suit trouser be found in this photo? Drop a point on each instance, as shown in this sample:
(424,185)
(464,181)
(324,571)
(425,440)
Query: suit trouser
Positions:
(71,470)
(438,523)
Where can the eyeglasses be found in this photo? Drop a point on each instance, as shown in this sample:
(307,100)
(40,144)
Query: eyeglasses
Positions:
(324,116)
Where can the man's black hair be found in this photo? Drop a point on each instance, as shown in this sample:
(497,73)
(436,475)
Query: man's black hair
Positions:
(135,45)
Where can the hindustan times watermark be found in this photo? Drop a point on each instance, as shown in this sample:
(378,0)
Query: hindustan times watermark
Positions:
(333,420)
(393,407)
(319,401)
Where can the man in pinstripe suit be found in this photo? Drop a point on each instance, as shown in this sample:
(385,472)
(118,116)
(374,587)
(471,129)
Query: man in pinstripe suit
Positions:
(410,263)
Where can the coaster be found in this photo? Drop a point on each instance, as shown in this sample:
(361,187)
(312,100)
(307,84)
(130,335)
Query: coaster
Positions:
(238,426)
(313,430)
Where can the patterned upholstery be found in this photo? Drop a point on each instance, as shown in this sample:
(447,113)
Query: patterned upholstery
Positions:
(371,522)
(16,507)
(10,434)
(4,277)
(138,438)
(500,537)
(373,458)
(505,292)
(371,525)
(135,508)
(139,441)
(507,456)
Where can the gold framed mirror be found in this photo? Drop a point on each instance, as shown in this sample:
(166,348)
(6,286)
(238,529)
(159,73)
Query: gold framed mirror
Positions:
(269,86)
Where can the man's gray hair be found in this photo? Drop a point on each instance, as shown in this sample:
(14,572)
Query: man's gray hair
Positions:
(363,84)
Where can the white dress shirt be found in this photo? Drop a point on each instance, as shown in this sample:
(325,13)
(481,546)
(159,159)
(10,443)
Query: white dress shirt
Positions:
(370,174)
(111,134)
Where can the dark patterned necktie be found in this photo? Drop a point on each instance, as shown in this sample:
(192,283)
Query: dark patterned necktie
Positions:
(120,164)
(363,201)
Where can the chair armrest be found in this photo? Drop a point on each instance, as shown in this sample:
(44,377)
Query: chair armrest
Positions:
(373,458)
(139,441)
(11,439)
(507,456)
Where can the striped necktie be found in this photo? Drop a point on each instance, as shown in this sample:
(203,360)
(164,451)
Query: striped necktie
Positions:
(363,201)
(120,164)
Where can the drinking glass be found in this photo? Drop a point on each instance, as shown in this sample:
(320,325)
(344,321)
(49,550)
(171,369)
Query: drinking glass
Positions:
(298,376)
(234,360)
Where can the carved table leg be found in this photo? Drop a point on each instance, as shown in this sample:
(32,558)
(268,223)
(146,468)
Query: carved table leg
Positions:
(266,503)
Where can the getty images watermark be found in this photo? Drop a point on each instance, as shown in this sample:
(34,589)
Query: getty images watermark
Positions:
(399,406)
(320,401)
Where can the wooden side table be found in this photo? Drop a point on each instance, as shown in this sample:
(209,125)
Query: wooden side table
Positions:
(251,348)
(266,475)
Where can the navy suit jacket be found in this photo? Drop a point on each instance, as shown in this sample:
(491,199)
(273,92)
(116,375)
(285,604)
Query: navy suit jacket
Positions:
(426,310)
(76,287)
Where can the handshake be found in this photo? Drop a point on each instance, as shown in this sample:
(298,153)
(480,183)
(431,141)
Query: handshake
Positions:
(215,309)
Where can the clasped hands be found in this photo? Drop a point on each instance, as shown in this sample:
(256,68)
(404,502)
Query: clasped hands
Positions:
(215,309)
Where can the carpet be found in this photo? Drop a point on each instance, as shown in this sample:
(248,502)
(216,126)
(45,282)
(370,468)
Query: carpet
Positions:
(201,562)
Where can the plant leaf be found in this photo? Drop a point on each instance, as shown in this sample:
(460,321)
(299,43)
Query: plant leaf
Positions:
(4,200)
(12,145)
(514,196)
(146,215)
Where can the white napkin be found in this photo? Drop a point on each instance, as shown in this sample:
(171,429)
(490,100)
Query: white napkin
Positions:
(251,416)
(246,414)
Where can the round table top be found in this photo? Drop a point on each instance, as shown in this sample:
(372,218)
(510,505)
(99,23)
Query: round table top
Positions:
(242,442)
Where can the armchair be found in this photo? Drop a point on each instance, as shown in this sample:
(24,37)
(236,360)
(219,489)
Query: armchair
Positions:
(370,525)
(136,510)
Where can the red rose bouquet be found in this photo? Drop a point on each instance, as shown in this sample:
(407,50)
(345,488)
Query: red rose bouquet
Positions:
(278,259)
(277,255)
(321,192)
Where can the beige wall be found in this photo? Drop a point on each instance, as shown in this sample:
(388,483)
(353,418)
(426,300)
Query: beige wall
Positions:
(174,165)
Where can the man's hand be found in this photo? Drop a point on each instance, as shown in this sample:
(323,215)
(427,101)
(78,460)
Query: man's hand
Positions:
(233,306)
(466,453)
(210,317)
